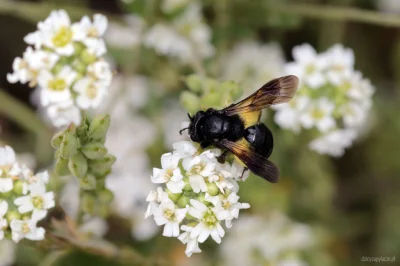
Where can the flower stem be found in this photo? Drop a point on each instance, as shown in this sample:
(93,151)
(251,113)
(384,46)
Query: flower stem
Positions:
(26,118)
(336,13)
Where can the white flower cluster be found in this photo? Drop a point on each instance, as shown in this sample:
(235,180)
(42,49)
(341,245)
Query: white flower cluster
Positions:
(333,98)
(273,240)
(186,37)
(200,195)
(23,199)
(65,61)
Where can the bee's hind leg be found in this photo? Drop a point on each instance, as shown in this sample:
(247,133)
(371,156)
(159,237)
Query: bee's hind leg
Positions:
(244,170)
(222,157)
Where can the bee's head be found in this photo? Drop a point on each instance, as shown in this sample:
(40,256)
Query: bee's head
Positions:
(195,126)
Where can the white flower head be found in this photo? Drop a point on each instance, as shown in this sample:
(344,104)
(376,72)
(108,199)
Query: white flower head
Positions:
(209,222)
(319,115)
(90,33)
(170,173)
(64,113)
(56,88)
(26,229)
(334,143)
(90,93)
(168,215)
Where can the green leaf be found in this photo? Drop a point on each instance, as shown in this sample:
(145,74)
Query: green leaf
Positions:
(78,165)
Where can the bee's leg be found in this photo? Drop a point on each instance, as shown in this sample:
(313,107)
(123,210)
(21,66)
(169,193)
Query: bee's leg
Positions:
(222,157)
(244,170)
(205,144)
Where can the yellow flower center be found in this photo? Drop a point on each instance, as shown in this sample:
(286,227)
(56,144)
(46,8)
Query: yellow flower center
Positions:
(62,37)
(57,84)
(37,201)
(25,228)
(92,32)
(310,69)
(91,91)
(169,173)
(169,214)
(210,220)
(226,205)
(317,114)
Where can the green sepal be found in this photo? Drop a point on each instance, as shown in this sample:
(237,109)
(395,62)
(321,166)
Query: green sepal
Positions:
(102,166)
(61,167)
(94,150)
(98,127)
(88,182)
(78,165)
(70,144)
(57,139)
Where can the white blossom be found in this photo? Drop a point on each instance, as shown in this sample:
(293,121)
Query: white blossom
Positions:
(207,195)
(131,33)
(26,229)
(168,215)
(90,93)
(91,32)
(333,100)
(334,143)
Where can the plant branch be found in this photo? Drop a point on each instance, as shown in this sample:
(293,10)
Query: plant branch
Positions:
(336,13)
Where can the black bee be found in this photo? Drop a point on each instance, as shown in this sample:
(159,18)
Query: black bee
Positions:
(237,128)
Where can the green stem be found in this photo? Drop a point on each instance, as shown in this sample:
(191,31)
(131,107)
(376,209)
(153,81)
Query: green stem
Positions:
(27,119)
(336,13)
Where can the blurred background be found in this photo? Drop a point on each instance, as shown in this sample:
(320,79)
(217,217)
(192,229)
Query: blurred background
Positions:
(324,211)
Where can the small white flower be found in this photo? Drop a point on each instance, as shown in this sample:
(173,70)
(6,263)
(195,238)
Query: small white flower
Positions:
(38,200)
(354,115)
(170,173)
(9,169)
(192,245)
(101,72)
(90,33)
(90,93)
(26,229)
(168,215)
(185,148)
(227,206)
(319,114)
(340,64)
(288,114)
(209,222)
(201,165)
(55,88)
(334,143)
(308,66)
(27,68)
(64,113)
(3,221)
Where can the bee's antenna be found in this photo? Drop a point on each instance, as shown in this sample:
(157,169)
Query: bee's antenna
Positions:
(189,117)
(180,131)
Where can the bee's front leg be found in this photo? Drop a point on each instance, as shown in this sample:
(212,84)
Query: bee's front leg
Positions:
(204,144)
(244,170)
(222,158)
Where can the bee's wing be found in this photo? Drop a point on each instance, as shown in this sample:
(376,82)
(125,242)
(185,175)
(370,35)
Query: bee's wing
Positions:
(257,163)
(276,91)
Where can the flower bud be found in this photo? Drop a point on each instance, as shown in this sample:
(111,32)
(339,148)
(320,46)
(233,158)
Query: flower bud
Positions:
(190,101)
(187,186)
(183,201)
(61,167)
(11,215)
(87,57)
(19,187)
(78,47)
(211,99)
(212,189)
(70,144)
(172,196)
(194,83)
(78,165)
(98,127)
(232,89)
(105,196)
(88,182)
(79,66)
(57,139)
(94,150)
(102,166)
(88,203)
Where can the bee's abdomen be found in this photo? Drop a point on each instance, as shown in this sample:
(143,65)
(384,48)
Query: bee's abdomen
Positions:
(260,138)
